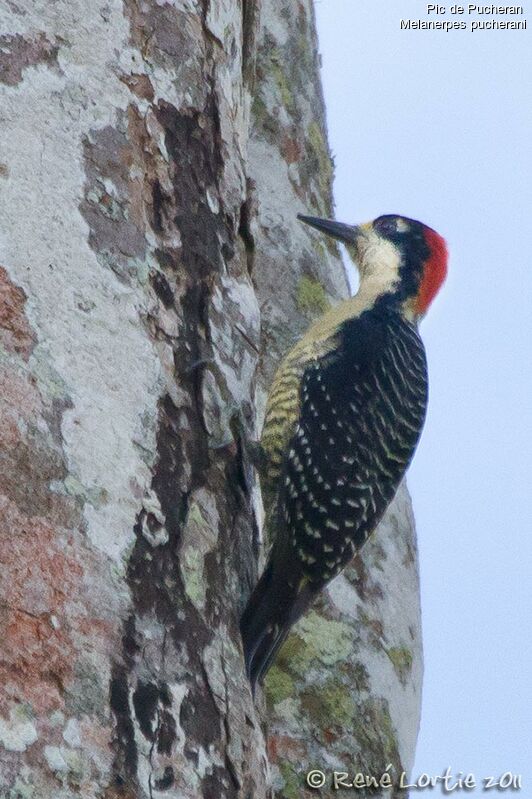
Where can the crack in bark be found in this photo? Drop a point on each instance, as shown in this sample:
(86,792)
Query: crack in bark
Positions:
(247,211)
(126,755)
(227,727)
(152,749)
(37,616)
(250,25)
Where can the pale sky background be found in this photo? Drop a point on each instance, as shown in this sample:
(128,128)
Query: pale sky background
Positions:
(438,126)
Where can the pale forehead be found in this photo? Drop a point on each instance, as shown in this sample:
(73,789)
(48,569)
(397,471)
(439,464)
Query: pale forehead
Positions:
(402,225)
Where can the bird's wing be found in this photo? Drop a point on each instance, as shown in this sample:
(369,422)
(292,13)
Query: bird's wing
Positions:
(362,408)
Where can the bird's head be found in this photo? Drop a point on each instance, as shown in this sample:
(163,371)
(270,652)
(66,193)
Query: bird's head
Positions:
(403,256)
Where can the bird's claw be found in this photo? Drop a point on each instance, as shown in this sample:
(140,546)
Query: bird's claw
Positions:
(240,421)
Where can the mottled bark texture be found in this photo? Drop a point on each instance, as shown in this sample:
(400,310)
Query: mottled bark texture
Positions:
(149,184)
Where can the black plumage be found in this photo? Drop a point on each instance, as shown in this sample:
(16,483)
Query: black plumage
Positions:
(362,408)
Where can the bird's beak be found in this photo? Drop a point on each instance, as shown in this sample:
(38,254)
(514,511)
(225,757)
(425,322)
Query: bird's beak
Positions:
(346,233)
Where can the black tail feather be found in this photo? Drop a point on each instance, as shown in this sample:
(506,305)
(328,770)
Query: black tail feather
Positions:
(266,652)
(274,606)
(255,619)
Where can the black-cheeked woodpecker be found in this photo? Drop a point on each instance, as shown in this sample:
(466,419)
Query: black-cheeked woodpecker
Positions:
(343,419)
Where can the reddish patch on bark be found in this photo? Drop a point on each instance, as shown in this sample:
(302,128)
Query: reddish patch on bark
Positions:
(41,576)
(291,150)
(366,587)
(119,792)
(15,332)
(330,736)
(140,85)
(117,224)
(285,747)
(50,614)
(29,456)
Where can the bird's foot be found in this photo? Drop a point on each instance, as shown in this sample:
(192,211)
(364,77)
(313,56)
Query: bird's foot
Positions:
(240,422)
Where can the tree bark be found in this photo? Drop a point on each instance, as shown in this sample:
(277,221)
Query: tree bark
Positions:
(152,275)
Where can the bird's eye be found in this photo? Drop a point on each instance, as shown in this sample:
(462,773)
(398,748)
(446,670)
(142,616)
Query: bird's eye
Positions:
(386,225)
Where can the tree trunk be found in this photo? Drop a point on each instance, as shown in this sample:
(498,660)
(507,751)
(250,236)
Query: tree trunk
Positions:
(152,274)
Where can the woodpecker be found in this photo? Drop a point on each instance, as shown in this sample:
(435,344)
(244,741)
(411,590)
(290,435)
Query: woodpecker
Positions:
(343,419)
